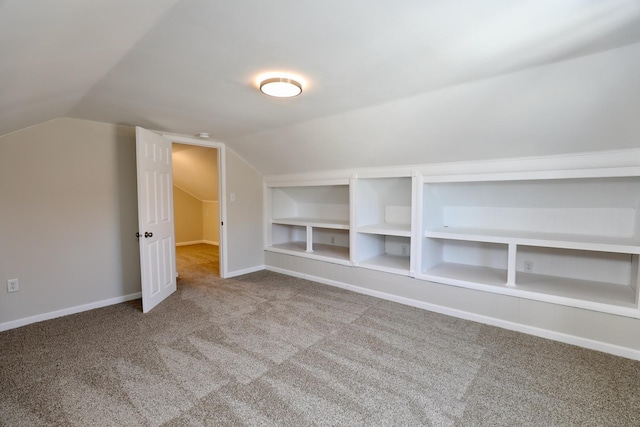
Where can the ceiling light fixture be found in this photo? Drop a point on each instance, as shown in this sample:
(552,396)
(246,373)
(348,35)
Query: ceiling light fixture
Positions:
(281,87)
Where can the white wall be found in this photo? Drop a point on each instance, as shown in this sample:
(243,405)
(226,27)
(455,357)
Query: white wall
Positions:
(245,247)
(68,217)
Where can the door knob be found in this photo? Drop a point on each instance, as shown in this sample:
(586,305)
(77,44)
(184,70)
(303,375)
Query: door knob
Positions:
(148,234)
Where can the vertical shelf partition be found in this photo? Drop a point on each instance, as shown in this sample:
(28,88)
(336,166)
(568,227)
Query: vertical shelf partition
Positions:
(383,224)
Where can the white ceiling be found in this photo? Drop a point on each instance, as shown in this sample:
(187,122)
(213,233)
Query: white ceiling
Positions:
(410,81)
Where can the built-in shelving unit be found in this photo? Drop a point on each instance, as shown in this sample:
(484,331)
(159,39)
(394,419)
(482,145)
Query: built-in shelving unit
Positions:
(570,238)
(310,220)
(568,241)
(383,224)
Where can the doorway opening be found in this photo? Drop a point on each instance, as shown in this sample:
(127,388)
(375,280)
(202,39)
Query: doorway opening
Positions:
(196,206)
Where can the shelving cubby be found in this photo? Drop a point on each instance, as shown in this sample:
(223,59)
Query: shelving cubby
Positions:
(571,241)
(310,221)
(383,224)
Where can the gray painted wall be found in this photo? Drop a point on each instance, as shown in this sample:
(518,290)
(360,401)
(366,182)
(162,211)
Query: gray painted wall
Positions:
(68,216)
(245,246)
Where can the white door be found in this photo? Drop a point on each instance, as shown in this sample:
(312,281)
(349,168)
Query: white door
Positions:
(155,218)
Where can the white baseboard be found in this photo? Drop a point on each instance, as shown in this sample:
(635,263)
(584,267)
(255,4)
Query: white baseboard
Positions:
(505,324)
(197,242)
(193,242)
(245,271)
(66,311)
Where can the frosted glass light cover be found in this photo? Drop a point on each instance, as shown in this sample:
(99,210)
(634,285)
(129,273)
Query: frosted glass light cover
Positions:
(281,87)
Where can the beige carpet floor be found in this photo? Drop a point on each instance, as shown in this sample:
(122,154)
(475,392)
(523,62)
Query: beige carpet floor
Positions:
(271,350)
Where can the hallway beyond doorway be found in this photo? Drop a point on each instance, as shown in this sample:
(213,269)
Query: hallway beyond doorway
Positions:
(197,260)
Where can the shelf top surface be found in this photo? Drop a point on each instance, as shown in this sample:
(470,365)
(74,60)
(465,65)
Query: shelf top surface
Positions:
(315,222)
(574,241)
(320,251)
(386,228)
(536,284)
(386,262)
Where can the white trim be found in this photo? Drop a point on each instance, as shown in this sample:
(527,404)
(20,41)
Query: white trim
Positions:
(192,140)
(513,326)
(535,175)
(308,183)
(211,242)
(244,271)
(192,242)
(222,212)
(222,190)
(67,311)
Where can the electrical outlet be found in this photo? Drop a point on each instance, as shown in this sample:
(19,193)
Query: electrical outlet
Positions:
(13,285)
(528,266)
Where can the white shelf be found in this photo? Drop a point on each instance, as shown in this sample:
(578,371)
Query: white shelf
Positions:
(335,224)
(321,252)
(607,297)
(296,247)
(484,246)
(331,251)
(598,292)
(396,264)
(402,230)
(551,240)
(461,274)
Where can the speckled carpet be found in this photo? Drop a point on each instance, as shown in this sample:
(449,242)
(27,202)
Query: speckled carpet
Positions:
(271,350)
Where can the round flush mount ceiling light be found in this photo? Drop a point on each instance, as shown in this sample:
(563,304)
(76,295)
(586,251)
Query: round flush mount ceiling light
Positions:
(280,86)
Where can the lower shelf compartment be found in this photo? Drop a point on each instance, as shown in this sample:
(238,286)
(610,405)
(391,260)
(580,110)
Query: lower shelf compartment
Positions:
(331,251)
(452,273)
(322,252)
(598,292)
(291,247)
(600,296)
(390,263)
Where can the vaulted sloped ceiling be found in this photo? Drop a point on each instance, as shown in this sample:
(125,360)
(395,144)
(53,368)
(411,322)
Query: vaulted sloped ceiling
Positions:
(410,81)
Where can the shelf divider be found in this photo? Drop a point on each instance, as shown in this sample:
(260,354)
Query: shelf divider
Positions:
(401,230)
(511,265)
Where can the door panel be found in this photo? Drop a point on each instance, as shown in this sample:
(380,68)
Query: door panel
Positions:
(155,218)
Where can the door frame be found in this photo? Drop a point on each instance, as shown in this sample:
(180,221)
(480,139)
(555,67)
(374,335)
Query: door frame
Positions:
(222,191)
